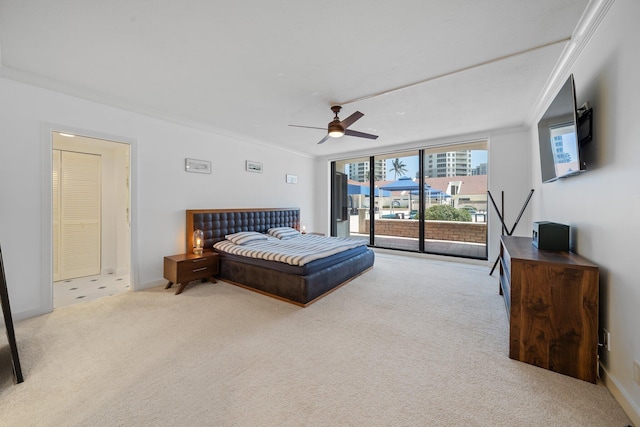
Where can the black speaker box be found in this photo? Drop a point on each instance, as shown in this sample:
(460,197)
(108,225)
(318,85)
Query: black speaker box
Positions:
(551,236)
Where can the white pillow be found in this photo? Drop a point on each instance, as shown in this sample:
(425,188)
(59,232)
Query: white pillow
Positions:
(245,237)
(283,233)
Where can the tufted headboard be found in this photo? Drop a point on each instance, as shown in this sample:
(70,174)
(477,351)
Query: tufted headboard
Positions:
(216,223)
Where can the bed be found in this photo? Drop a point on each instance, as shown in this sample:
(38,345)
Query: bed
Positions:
(298,284)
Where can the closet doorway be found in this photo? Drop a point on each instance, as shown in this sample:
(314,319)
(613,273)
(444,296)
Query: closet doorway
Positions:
(90,218)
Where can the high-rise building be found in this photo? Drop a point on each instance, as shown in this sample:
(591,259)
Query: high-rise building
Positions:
(481,169)
(450,163)
(361,172)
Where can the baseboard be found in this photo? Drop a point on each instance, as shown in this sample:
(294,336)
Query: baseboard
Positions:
(27,314)
(630,408)
(149,285)
(122,271)
(113,270)
(106,270)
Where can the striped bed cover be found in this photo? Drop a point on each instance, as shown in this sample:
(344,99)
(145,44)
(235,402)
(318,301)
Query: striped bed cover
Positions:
(297,251)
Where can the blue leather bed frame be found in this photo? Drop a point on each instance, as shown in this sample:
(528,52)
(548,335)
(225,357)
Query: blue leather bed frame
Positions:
(298,289)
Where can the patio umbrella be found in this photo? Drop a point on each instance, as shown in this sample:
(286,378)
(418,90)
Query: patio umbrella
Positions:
(360,189)
(359,192)
(407,184)
(403,184)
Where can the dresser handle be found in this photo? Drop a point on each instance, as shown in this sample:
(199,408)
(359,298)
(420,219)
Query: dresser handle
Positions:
(199,269)
(199,259)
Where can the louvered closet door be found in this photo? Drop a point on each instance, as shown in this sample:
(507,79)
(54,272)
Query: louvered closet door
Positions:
(79,215)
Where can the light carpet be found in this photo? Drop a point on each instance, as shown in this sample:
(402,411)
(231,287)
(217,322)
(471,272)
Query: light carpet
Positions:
(413,342)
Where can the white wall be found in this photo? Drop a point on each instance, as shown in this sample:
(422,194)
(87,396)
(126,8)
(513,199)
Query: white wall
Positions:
(162,190)
(509,172)
(602,205)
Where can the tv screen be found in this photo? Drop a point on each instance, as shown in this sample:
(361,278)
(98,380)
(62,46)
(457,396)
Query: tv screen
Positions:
(558,136)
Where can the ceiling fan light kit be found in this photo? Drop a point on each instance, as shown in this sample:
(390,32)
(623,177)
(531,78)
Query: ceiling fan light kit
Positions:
(337,128)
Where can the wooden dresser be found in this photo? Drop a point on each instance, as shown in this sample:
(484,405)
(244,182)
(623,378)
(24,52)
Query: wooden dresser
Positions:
(552,306)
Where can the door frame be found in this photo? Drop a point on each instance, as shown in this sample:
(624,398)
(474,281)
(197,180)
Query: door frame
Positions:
(47,130)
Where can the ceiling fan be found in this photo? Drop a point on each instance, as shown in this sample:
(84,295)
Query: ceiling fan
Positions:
(337,127)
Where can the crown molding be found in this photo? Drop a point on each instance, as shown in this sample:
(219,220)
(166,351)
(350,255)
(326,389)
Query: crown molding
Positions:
(74,91)
(588,23)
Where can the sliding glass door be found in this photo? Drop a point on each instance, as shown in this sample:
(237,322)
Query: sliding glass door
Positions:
(431,200)
(398,195)
(455,198)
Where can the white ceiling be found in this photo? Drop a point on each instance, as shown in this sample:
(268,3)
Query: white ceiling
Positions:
(250,68)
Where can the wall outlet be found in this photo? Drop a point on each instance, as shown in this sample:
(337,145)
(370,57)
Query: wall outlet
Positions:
(636,371)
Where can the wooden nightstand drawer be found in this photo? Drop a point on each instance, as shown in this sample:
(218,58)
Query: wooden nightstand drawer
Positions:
(202,267)
(186,268)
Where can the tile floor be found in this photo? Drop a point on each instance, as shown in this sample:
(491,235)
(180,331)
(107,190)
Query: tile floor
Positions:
(81,289)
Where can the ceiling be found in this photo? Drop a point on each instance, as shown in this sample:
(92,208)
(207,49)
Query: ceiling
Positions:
(418,69)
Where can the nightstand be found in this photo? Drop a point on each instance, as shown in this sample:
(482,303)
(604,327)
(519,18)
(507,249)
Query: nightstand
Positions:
(186,268)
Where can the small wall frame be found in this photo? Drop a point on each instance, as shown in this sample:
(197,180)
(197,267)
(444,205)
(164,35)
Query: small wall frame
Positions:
(251,166)
(197,166)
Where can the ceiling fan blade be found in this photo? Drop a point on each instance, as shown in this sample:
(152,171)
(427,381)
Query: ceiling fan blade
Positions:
(308,127)
(359,134)
(322,141)
(351,119)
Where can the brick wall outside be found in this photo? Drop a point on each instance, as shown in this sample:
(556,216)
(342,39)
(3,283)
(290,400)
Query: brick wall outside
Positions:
(472,232)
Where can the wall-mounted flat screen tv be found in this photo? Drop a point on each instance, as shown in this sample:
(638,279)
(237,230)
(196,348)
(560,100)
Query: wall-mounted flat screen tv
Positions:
(560,154)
